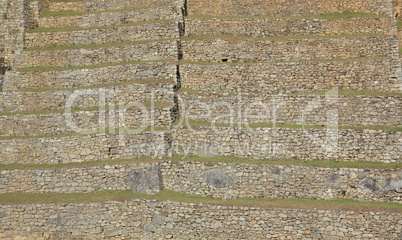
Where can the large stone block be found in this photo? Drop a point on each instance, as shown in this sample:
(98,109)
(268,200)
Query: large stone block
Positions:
(147,180)
(218,179)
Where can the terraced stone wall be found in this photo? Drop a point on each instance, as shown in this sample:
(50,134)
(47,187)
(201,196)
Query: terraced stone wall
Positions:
(137,32)
(12,29)
(292,109)
(65,100)
(132,117)
(136,51)
(304,144)
(110,18)
(99,5)
(144,72)
(69,180)
(270,27)
(286,7)
(261,50)
(359,74)
(218,180)
(81,148)
(167,219)
(232,180)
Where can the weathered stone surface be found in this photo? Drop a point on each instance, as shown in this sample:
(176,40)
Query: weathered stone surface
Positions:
(332,180)
(370,185)
(207,150)
(158,219)
(149,228)
(217,178)
(393,184)
(203,221)
(146,180)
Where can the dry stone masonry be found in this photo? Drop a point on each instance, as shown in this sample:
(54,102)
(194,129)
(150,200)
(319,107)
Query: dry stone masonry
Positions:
(320,79)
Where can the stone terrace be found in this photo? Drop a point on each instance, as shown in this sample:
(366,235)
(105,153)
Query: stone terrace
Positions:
(263,99)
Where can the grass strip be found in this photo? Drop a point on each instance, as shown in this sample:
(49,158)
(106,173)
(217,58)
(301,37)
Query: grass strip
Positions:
(45,69)
(113,84)
(102,45)
(196,37)
(168,195)
(178,158)
(94,108)
(59,29)
(73,13)
(191,122)
(320,16)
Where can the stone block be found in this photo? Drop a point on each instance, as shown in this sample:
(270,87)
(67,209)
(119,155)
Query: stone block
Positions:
(146,180)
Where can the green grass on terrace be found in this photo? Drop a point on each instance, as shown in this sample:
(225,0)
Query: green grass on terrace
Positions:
(94,108)
(58,29)
(43,69)
(113,44)
(191,122)
(399,24)
(165,195)
(177,158)
(280,37)
(321,16)
(68,12)
(113,84)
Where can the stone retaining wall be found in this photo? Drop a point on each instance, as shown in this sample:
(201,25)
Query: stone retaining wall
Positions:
(137,51)
(82,121)
(81,148)
(359,74)
(252,50)
(218,180)
(293,110)
(69,180)
(279,143)
(270,27)
(99,5)
(137,219)
(144,71)
(286,7)
(109,18)
(232,180)
(84,98)
(129,33)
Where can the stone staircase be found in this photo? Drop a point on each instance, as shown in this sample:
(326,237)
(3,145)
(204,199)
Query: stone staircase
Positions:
(241,101)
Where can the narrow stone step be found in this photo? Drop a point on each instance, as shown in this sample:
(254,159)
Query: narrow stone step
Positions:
(108,18)
(289,77)
(319,110)
(296,143)
(111,34)
(133,116)
(94,55)
(61,100)
(274,27)
(234,49)
(92,75)
(82,148)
